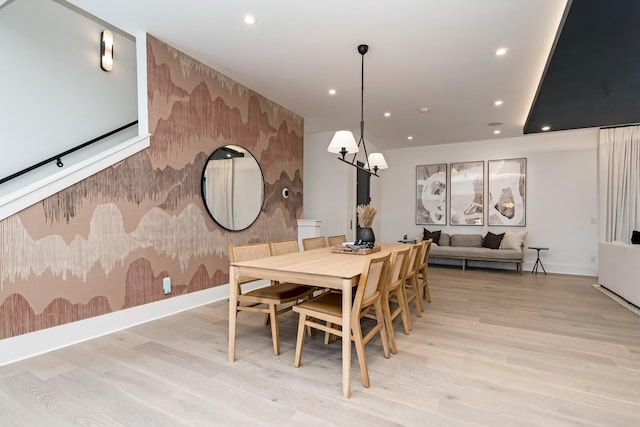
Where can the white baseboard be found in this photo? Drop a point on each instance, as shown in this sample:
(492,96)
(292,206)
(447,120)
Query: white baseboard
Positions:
(579,270)
(576,270)
(32,344)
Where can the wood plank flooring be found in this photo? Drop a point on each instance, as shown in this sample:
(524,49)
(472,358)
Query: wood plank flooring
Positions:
(493,349)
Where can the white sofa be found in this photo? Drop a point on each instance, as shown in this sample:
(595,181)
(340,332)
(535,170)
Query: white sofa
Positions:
(619,269)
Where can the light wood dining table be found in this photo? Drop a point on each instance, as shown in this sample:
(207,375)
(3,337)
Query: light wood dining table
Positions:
(317,267)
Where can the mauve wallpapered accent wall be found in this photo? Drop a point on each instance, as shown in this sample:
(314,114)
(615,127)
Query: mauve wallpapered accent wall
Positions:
(105,243)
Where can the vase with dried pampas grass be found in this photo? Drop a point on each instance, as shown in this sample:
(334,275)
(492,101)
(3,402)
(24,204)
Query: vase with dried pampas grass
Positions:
(366,213)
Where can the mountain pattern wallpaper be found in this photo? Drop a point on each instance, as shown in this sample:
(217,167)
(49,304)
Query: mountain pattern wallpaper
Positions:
(105,243)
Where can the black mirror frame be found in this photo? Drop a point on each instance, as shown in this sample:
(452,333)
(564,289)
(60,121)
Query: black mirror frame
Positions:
(203,196)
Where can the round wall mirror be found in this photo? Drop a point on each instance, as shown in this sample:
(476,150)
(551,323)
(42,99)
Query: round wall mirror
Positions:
(233,187)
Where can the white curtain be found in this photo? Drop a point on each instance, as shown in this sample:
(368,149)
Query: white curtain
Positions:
(219,191)
(619,182)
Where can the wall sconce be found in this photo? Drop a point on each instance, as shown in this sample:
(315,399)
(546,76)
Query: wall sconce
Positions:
(106,51)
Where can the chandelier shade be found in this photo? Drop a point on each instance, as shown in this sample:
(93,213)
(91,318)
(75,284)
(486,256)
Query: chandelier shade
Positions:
(343,142)
(377,161)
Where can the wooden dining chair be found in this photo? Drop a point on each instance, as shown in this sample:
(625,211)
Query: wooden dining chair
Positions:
(272,300)
(423,283)
(284,247)
(336,240)
(394,292)
(313,243)
(327,308)
(411,283)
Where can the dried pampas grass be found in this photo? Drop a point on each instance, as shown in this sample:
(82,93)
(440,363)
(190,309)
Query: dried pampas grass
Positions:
(366,213)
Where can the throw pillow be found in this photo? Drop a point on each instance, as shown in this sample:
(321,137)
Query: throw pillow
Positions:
(492,241)
(513,240)
(635,237)
(433,235)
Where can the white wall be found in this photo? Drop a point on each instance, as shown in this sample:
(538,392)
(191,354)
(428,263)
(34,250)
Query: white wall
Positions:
(329,192)
(54,94)
(561,194)
(55,97)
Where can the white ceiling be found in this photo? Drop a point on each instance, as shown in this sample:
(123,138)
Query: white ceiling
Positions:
(423,53)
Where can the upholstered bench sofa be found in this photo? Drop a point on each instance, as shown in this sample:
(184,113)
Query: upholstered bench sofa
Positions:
(618,269)
(506,248)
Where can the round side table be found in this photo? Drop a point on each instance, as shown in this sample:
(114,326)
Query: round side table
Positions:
(538,261)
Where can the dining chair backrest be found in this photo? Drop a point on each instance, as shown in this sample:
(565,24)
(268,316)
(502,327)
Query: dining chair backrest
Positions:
(314,243)
(371,280)
(284,247)
(248,252)
(336,240)
(414,259)
(395,290)
(425,253)
(398,266)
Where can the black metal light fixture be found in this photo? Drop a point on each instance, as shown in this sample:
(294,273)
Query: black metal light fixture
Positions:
(343,141)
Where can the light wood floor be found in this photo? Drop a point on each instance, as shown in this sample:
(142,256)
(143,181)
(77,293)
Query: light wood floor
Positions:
(493,349)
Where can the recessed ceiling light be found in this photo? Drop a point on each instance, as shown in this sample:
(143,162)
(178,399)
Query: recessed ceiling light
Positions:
(332,91)
(546,128)
(249,19)
(409,137)
(501,51)
(496,132)
(497,102)
(387,114)
(423,109)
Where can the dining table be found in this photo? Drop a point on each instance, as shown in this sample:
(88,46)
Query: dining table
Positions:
(322,268)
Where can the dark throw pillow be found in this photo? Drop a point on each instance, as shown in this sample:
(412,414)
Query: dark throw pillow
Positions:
(635,237)
(492,241)
(433,235)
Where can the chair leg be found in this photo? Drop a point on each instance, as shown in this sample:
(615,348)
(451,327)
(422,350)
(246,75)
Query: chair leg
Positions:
(386,313)
(275,335)
(327,335)
(404,305)
(425,286)
(413,282)
(427,293)
(362,360)
(300,340)
(377,306)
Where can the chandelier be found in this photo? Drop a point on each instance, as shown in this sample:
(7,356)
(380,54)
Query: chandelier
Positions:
(343,141)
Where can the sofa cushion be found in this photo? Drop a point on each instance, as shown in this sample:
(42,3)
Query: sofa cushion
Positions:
(475,253)
(513,240)
(433,235)
(492,241)
(467,240)
(445,239)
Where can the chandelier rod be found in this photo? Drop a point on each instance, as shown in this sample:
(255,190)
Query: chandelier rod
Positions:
(362,49)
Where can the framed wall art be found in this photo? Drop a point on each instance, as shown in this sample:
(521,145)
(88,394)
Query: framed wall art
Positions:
(467,193)
(431,194)
(507,192)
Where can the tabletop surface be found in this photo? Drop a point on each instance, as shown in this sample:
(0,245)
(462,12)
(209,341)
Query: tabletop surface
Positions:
(538,248)
(319,261)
